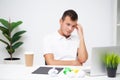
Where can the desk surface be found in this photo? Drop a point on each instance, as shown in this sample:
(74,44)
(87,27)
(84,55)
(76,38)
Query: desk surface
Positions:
(21,72)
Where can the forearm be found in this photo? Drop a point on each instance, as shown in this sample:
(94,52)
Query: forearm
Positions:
(82,51)
(65,62)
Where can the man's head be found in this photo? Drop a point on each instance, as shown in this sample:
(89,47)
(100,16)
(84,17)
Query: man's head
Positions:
(68,22)
(71,13)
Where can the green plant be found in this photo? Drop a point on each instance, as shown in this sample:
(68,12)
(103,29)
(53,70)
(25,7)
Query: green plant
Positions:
(111,60)
(11,35)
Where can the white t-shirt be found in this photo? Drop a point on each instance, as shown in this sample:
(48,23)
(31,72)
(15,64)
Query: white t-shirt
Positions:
(62,48)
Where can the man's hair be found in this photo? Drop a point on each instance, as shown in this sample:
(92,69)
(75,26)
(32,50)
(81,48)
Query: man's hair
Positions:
(71,13)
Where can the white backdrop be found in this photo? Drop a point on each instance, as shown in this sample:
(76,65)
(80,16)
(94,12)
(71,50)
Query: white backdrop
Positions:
(41,17)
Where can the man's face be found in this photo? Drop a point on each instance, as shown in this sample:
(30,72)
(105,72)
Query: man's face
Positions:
(67,26)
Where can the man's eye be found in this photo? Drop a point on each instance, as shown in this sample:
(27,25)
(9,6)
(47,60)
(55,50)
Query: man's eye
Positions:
(73,26)
(68,24)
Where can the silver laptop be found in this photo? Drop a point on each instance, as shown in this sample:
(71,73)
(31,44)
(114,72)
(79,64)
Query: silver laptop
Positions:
(97,67)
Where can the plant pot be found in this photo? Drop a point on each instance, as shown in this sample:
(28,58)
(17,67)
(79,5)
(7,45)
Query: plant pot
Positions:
(12,61)
(111,72)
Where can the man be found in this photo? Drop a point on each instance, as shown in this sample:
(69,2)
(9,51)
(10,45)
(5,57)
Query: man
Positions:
(63,48)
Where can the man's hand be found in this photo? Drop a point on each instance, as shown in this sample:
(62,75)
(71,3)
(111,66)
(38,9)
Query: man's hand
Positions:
(79,30)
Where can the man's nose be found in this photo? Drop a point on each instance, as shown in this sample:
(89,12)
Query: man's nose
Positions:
(70,28)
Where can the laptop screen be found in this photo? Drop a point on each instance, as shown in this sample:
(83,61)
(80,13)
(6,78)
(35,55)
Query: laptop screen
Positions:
(97,66)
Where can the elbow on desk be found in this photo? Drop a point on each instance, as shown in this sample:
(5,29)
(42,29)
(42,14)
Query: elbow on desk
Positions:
(49,63)
(82,60)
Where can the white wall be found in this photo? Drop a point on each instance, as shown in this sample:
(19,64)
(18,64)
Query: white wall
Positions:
(41,17)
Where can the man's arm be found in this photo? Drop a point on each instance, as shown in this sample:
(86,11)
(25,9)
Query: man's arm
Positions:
(82,52)
(49,58)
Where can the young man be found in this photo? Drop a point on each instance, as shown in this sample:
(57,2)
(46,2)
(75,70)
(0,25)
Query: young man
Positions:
(63,48)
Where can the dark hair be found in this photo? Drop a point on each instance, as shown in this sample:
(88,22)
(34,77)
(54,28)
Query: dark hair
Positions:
(71,13)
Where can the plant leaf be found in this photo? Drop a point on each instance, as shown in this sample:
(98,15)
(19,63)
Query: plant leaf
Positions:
(18,33)
(4,30)
(4,42)
(16,45)
(10,50)
(15,38)
(7,37)
(15,24)
(111,60)
(5,23)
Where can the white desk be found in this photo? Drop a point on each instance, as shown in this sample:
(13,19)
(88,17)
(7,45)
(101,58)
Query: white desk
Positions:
(21,72)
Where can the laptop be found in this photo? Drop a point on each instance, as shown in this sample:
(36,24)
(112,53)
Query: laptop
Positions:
(97,66)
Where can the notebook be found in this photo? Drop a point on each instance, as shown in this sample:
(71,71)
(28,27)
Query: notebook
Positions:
(44,70)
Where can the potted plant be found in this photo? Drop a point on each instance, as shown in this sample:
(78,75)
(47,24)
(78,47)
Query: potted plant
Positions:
(111,62)
(12,36)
